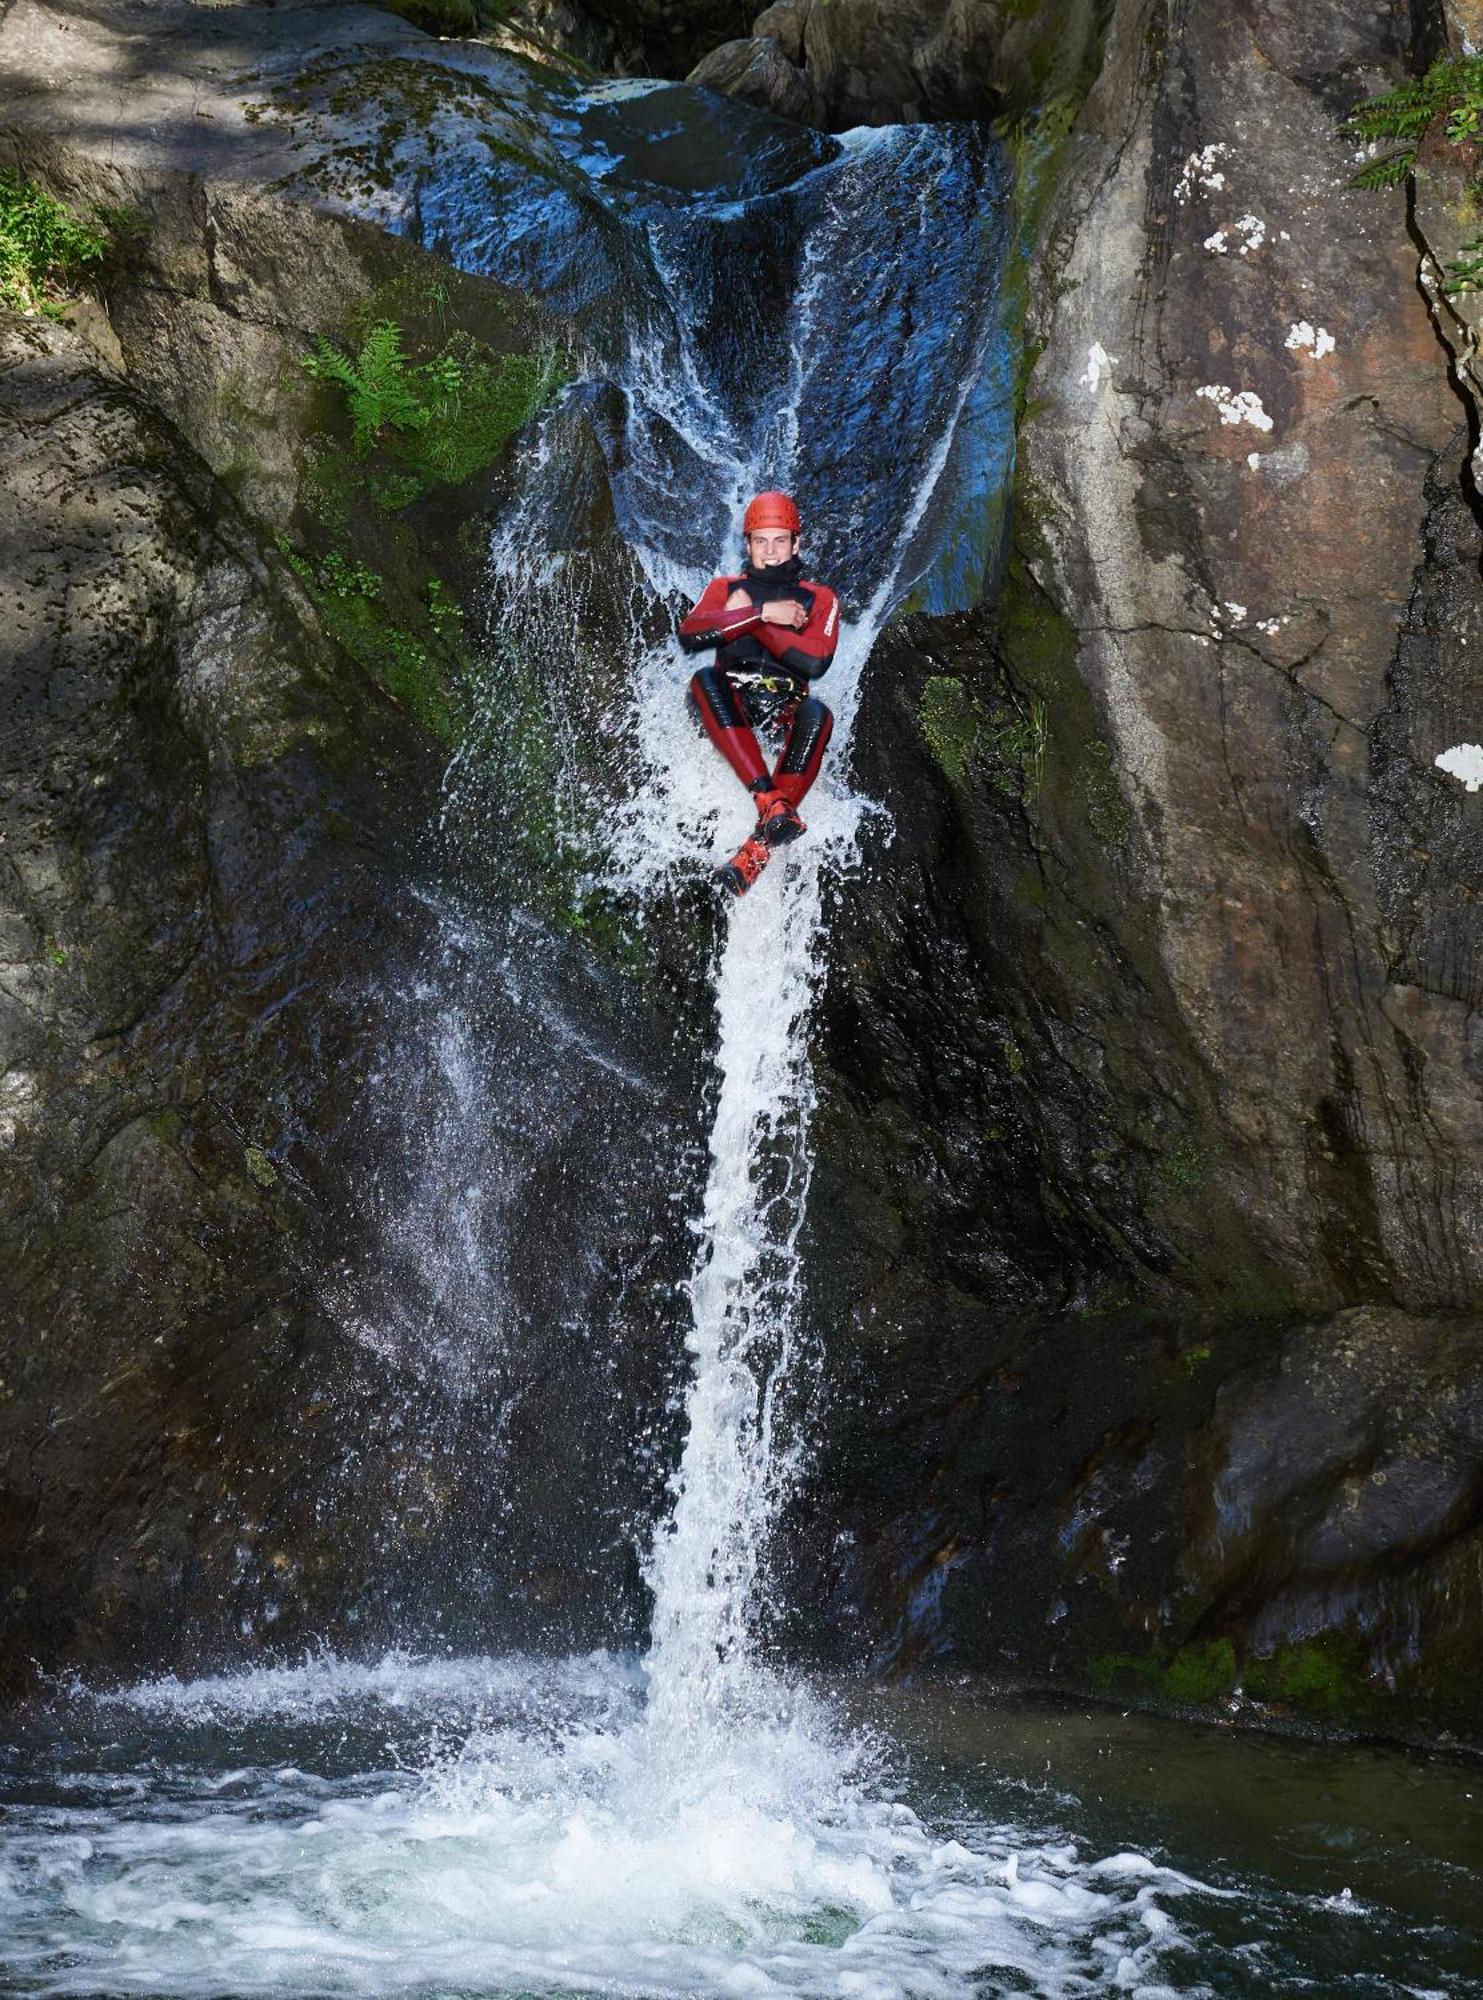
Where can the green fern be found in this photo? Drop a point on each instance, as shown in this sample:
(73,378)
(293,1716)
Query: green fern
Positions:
(1386,173)
(1404,113)
(1451,88)
(380,390)
(440,420)
(1465,270)
(44,248)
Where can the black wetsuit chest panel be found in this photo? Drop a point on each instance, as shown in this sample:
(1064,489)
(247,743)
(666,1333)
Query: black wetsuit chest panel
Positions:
(748,651)
(764,592)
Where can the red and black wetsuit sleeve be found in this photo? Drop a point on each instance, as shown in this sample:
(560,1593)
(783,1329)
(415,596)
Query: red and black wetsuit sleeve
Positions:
(711,624)
(806,654)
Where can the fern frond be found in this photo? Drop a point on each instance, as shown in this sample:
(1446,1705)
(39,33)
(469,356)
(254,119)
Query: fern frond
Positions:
(385,394)
(328,364)
(1453,86)
(1386,173)
(1464,272)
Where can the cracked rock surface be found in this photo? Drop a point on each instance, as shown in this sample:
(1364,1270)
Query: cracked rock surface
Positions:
(196,849)
(1157,1034)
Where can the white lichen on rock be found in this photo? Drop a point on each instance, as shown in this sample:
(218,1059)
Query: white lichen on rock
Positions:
(1099,362)
(1249,231)
(1302,333)
(1200,170)
(1464,761)
(1237,406)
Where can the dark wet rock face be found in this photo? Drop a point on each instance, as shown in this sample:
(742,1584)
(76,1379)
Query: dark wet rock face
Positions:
(666,37)
(1286,1517)
(199,843)
(232,1321)
(1160,999)
(244,998)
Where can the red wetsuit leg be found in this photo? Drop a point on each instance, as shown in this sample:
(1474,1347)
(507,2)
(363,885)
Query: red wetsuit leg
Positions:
(803,753)
(725,722)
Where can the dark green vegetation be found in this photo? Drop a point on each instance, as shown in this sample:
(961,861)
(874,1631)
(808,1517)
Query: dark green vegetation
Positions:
(454,17)
(1450,95)
(1451,90)
(398,437)
(1008,739)
(442,419)
(1320,1680)
(46,250)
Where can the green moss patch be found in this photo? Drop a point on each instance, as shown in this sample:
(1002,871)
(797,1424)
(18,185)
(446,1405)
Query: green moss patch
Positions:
(1183,1168)
(1039,648)
(952,724)
(1321,1678)
(1193,1674)
(1007,739)
(418,674)
(1307,1676)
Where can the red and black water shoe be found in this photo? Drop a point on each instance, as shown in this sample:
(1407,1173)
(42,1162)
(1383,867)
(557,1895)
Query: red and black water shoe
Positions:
(742,870)
(777,819)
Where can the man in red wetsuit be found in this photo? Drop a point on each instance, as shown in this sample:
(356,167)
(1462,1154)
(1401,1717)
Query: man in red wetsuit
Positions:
(774,633)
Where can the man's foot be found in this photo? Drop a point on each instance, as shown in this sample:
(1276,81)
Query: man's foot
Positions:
(742,870)
(777,819)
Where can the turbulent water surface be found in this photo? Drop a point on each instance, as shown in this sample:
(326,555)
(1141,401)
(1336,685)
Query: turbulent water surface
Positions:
(504,1827)
(759,309)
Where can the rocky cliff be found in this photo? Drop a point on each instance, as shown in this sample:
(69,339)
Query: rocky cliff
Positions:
(842,63)
(1145,1237)
(236,667)
(1185,1053)
(205,832)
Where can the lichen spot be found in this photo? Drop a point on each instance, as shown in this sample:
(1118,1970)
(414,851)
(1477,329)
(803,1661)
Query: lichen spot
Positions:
(1246,234)
(1237,406)
(1200,171)
(1316,339)
(1464,761)
(1099,363)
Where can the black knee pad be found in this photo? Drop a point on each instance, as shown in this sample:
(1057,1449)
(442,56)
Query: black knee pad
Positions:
(812,724)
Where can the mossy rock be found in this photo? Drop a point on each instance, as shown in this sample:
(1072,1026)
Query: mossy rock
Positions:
(1194,1674)
(1317,1677)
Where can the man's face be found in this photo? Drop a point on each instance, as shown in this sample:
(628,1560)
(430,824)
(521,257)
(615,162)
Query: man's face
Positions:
(769,546)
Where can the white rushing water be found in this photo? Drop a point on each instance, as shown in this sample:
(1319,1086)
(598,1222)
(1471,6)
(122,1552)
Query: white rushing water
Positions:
(673,806)
(565,1845)
(695,1824)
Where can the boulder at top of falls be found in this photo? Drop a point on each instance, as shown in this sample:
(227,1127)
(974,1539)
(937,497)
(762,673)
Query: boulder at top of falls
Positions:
(666,136)
(855,62)
(783,24)
(757,72)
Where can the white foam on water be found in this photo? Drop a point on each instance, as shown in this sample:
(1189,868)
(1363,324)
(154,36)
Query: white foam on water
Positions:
(565,1845)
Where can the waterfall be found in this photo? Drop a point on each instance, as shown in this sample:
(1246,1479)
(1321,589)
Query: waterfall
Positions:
(872,367)
(698,1824)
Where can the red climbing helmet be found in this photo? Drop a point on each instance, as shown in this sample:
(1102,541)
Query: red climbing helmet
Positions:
(770,510)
